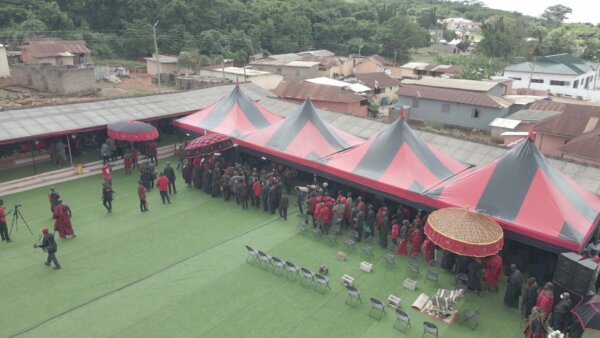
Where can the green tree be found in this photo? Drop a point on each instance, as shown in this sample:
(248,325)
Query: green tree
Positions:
(558,40)
(191,60)
(428,18)
(212,42)
(137,39)
(555,15)
(591,49)
(29,28)
(54,18)
(399,35)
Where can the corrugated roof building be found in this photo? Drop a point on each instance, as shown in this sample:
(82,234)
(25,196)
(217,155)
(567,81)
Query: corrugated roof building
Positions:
(56,52)
(462,103)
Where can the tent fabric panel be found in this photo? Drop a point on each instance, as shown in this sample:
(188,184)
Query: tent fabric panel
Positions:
(309,140)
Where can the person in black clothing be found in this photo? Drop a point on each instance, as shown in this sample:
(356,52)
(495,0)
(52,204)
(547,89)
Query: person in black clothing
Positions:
(107,196)
(53,197)
(514,283)
(170,173)
(283,205)
(474,273)
(530,297)
(560,315)
(300,197)
(575,328)
(243,193)
(48,244)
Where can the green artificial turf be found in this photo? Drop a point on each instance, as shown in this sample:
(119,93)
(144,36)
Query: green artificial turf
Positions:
(180,270)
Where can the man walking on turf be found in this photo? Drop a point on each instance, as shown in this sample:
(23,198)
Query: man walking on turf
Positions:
(163,187)
(283,205)
(107,196)
(142,196)
(170,173)
(48,244)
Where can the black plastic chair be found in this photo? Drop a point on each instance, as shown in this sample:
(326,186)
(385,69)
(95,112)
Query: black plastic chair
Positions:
(378,306)
(308,275)
(461,281)
(322,281)
(432,276)
(251,253)
(414,268)
(293,269)
(265,258)
(430,329)
(402,317)
(470,317)
(278,263)
(390,259)
(353,293)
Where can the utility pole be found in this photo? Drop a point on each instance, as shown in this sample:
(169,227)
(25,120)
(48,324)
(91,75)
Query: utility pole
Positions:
(157,59)
(359,48)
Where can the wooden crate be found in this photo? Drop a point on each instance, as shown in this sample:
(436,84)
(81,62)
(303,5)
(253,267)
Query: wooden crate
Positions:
(366,266)
(347,280)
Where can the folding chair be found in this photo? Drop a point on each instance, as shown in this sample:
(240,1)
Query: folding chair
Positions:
(443,303)
(402,317)
(301,226)
(414,268)
(322,281)
(351,242)
(430,329)
(470,317)
(293,269)
(461,281)
(278,263)
(308,275)
(432,276)
(378,306)
(392,248)
(390,259)
(251,253)
(367,249)
(416,256)
(264,258)
(370,239)
(353,293)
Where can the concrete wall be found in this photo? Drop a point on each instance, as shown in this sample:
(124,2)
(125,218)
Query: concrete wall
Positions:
(61,80)
(347,108)
(567,90)
(581,159)
(4,70)
(550,144)
(367,66)
(460,115)
(53,60)
(290,73)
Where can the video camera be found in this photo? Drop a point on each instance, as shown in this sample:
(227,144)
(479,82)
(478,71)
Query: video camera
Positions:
(17,205)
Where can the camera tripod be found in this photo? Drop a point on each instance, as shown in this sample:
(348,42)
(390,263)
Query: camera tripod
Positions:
(15,220)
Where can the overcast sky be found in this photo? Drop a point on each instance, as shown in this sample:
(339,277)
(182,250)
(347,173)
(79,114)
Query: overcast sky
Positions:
(583,10)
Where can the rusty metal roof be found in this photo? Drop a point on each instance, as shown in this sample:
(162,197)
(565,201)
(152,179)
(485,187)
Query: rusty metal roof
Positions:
(481,99)
(47,48)
(575,120)
(383,80)
(300,90)
(586,146)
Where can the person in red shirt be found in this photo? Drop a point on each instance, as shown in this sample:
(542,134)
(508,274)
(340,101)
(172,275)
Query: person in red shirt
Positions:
(3,227)
(493,272)
(256,192)
(310,208)
(326,215)
(107,174)
(62,223)
(134,157)
(545,299)
(142,196)
(162,184)
(127,163)
(416,240)
(318,217)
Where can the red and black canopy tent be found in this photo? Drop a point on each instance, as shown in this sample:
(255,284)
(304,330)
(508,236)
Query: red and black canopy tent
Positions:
(533,201)
(302,138)
(233,115)
(394,161)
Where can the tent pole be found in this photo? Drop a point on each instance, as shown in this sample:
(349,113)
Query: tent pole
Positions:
(69,146)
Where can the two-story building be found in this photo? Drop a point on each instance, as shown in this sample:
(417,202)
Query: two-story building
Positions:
(462,103)
(561,74)
(298,70)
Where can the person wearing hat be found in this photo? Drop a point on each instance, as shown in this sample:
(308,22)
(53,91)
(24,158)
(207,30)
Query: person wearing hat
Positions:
(170,173)
(560,315)
(49,245)
(3,227)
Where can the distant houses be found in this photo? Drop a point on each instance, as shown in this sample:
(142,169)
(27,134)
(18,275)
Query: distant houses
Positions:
(55,52)
(168,65)
(418,70)
(561,74)
(462,103)
(328,96)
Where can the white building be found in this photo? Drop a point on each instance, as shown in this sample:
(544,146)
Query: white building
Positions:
(561,75)
(265,80)
(4,70)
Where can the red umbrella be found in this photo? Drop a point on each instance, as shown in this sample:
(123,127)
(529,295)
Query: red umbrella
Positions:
(464,232)
(132,131)
(208,144)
